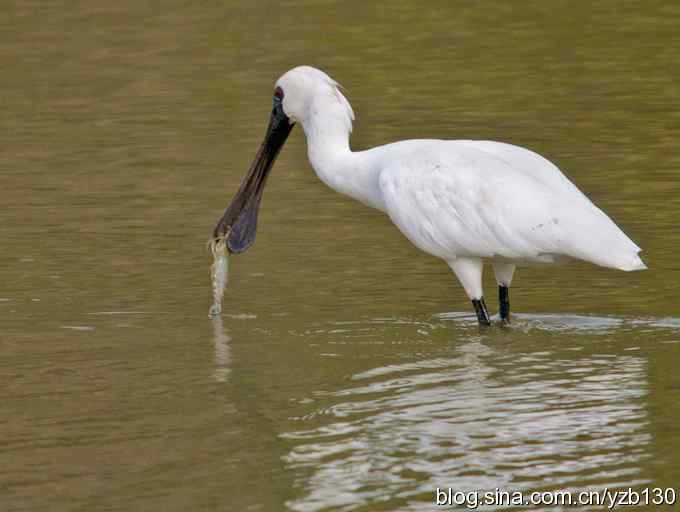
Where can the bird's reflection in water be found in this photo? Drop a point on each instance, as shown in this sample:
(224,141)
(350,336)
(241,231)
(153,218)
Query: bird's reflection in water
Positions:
(222,350)
(484,416)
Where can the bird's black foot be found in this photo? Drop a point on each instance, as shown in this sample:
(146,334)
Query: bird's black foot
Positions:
(504,304)
(482,313)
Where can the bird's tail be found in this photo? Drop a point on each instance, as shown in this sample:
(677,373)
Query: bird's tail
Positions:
(632,263)
(596,238)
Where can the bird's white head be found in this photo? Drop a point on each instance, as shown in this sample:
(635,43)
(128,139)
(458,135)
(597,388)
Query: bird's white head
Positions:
(306,91)
(306,95)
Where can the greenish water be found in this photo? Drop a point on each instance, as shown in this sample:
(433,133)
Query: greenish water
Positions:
(346,372)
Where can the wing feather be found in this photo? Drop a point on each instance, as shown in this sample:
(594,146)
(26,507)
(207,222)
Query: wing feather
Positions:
(494,200)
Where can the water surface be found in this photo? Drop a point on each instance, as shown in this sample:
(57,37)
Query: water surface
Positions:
(346,372)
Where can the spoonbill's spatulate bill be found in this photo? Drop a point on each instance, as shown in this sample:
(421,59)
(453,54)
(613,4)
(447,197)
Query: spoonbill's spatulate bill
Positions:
(462,201)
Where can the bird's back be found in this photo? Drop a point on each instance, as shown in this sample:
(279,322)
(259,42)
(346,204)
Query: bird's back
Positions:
(495,200)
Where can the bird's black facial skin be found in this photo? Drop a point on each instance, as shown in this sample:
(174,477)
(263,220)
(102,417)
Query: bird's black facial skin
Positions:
(239,222)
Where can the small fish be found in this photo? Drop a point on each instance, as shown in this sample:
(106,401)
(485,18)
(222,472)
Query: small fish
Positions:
(219,272)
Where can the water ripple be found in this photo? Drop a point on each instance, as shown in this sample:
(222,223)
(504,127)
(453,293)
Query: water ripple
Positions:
(478,420)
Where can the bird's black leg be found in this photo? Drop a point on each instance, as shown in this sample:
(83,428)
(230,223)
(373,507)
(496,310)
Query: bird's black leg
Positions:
(504,303)
(482,313)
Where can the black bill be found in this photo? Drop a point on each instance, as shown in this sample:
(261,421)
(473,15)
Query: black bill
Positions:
(239,222)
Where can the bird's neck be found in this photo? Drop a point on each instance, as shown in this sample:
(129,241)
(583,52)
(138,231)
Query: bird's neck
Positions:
(327,129)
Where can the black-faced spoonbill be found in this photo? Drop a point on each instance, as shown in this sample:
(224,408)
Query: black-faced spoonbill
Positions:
(463,201)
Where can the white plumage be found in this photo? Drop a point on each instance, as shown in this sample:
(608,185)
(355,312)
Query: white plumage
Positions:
(493,200)
(462,201)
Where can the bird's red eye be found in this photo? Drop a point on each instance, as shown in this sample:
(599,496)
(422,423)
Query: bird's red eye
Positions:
(278,93)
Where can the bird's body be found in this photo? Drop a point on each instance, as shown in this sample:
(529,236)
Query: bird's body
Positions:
(489,200)
(462,201)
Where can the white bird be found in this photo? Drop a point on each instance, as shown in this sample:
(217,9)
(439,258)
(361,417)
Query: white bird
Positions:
(463,201)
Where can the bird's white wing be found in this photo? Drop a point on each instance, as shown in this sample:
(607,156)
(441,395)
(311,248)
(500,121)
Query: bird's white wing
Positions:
(533,165)
(485,199)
